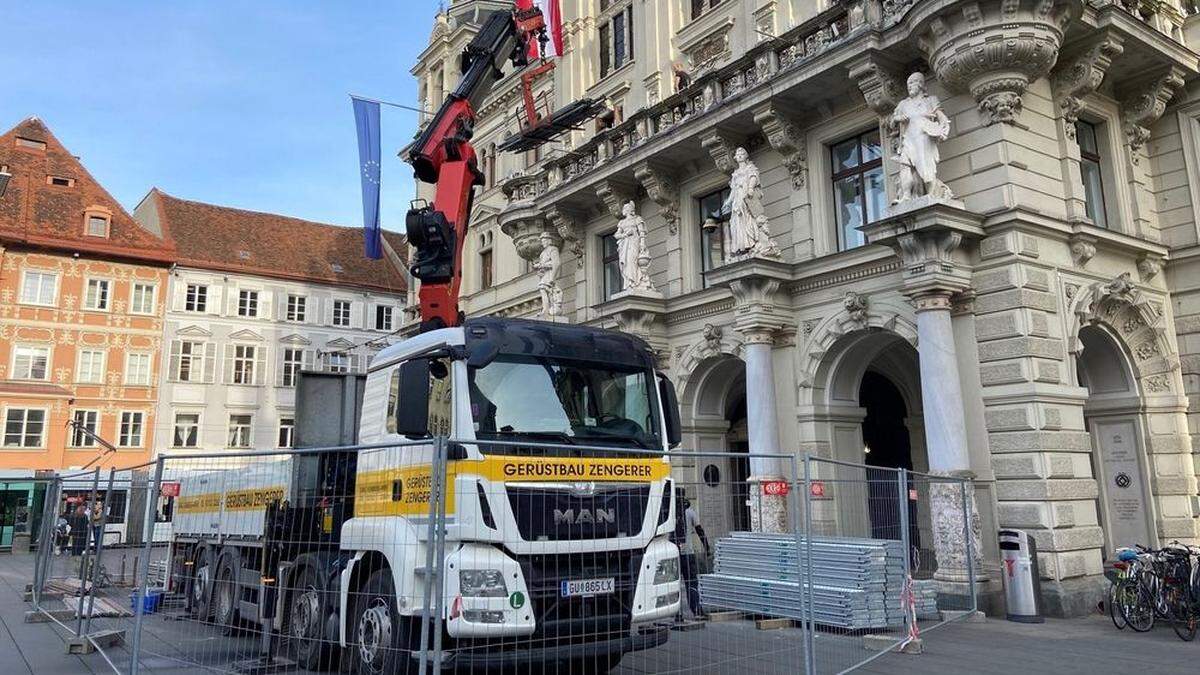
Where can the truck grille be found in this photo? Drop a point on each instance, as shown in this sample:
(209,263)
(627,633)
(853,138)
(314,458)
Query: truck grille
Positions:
(560,515)
(581,619)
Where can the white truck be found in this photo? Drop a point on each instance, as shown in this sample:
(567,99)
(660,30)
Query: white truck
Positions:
(558,504)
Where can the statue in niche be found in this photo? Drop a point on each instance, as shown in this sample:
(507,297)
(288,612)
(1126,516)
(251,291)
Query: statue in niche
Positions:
(547,265)
(749,229)
(921,124)
(633,256)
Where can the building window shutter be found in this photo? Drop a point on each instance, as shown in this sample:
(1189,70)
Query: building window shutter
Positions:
(173,361)
(210,362)
(227,368)
(265,302)
(260,364)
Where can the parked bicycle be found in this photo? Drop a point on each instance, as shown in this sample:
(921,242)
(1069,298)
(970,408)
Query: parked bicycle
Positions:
(1147,585)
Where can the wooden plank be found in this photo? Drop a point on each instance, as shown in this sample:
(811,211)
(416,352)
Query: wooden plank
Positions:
(717,617)
(772,624)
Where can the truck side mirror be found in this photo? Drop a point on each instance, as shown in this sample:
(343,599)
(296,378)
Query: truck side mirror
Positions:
(412,411)
(670,411)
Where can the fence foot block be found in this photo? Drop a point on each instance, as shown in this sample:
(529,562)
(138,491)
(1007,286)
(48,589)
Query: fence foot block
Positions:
(717,617)
(48,615)
(772,624)
(969,616)
(891,643)
(80,645)
(687,624)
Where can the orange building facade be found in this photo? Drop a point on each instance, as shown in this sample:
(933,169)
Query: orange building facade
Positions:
(82,297)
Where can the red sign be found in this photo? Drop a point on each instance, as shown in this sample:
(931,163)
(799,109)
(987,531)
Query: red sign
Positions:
(170,489)
(912,495)
(817,489)
(776,487)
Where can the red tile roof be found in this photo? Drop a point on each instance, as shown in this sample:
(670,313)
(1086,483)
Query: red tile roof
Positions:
(34,212)
(235,240)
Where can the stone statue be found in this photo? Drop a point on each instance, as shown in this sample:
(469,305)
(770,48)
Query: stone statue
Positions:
(749,230)
(549,260)
(633,256)
(921,124)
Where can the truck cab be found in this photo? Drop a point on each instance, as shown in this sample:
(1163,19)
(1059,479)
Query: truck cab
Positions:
(558,497)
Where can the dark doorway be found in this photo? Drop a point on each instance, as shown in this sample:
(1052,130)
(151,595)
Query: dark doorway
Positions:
(886,445)
(740,466)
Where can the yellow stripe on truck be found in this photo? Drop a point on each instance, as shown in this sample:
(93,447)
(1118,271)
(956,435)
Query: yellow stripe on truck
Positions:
(238,500)
(405,492)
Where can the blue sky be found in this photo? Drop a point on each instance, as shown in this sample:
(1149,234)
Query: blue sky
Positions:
(237,103)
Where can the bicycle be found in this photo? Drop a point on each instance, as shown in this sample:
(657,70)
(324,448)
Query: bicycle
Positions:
(1122,589)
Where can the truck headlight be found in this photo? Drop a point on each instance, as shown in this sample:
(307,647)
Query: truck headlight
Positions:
(667,571)
(482,584)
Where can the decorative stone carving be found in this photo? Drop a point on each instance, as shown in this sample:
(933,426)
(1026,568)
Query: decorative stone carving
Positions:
(921,124)
(787,139)
(749,229)
(880,86)
(526,234)
(1144,105)
(567,226)
(712,337)
(633,256)
(547,267)
(614,195)
(856,308)
(1149,266)
(720,147)
(995,48)
(663,190)
(1074,79)
(1083,248)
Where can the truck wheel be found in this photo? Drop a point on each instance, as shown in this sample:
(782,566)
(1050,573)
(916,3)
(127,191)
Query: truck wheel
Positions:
(200,584)
(378,640)
(225,595)
(306,622)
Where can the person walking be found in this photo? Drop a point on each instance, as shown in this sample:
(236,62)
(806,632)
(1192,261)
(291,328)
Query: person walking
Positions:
(62,530)
(687,522)
(77,523)
(97,523)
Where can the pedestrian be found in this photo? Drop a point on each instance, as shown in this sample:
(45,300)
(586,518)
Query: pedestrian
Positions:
(97,523)
(78,524)
(62,531)
(687,522)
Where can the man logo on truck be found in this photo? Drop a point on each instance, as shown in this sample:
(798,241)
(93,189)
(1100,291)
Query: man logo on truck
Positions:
(585,517)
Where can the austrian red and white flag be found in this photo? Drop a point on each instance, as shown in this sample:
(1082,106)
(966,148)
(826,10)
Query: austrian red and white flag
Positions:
(552,13)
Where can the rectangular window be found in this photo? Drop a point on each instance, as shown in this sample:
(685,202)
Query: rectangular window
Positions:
(96,295)
(38,288)
(699,7)
(337,362)
(859,193)
(1089,166)
(137,369)
(24,427)
(239,431)
(141,298)
(187,430)
(616,41)
(132,428)
(296,307)
(293,362)
(714,220)
(383,317)
(341,312)
(31,363)
(196,299)
(287,432)
(485,269)
(84,419)
(245,358)
(610,266)
(91,366)
(97,226)
(247,303)
(189,363)
(605,59)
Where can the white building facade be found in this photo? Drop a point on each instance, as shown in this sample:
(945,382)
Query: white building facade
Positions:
(235,341)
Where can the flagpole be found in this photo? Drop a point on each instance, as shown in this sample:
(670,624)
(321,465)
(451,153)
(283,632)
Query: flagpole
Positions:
(394,105)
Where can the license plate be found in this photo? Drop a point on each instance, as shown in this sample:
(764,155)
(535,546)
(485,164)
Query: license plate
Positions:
(581,587)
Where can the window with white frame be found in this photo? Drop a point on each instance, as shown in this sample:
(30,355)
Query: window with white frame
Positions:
(137,369)
(31,362)
(859,193)
(240,428)
(91,366)
(38,288)
(1087,136)
(296,307)
(132,429)
(187,430)
(616,38)
(337,362)
(247,303)
(24,427)
(341,313)
(141,298)
(191,361)
(196,298)
(287,432)
(97,225)
(290,366)
(84,421)
(383,317)
(96,295)
(244,364)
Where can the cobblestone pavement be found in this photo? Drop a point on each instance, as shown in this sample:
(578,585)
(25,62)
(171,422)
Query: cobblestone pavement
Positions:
(1090,645)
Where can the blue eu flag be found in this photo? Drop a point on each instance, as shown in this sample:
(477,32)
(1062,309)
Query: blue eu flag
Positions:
(366,120)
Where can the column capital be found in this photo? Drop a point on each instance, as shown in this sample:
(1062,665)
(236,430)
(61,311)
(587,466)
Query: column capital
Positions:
(933,299)
(929,242)
(755,284)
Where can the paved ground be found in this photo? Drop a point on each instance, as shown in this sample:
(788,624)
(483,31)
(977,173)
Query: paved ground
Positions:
(1088,645)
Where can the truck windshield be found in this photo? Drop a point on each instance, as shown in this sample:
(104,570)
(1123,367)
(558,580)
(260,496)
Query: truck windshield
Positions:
(570,402)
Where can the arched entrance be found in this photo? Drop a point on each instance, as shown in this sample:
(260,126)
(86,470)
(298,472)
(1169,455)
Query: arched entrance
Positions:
(1112,416)
(713,410)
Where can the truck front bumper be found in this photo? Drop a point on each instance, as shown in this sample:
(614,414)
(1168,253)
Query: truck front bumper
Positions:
(472,659)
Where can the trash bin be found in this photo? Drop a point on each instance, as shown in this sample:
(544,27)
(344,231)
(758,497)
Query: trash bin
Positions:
(1022,583)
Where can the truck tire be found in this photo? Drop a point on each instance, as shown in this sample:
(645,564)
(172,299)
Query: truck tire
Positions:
(307,608)
(200,583)
(379,636)
(225,593)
